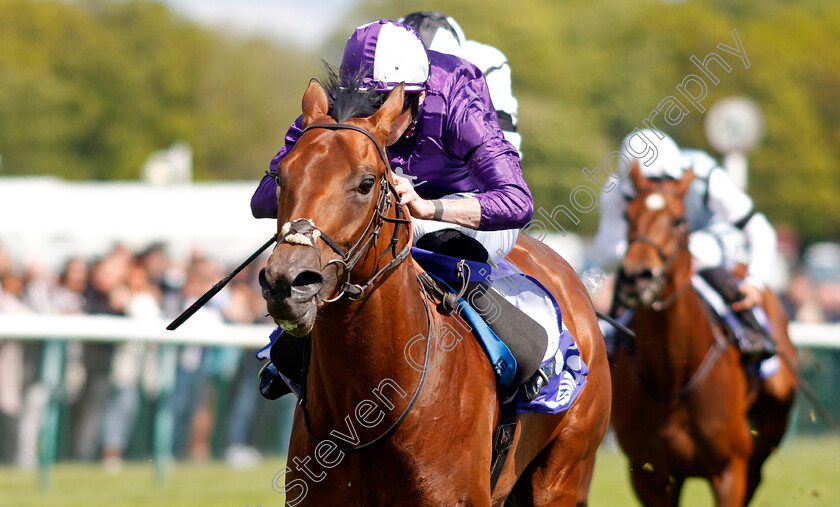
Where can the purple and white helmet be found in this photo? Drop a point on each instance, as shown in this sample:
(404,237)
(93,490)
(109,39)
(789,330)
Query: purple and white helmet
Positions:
(388,53)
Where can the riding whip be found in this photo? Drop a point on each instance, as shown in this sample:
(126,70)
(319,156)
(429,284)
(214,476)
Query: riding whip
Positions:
(611,321)
(218,287)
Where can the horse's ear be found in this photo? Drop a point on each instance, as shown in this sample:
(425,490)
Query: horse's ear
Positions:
(315,104)
(383,119)
(636,175)
(685,182)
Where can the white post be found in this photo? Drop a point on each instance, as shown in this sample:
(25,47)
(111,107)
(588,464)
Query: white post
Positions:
(736,165)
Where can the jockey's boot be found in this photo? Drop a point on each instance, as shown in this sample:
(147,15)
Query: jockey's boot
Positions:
(525,337)
(272,385)
(532,387)
(287,356)
(753,341)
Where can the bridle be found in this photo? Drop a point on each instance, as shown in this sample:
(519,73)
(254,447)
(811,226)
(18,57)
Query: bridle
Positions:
(301,228)
(292,231)
(658,282)
(660,277)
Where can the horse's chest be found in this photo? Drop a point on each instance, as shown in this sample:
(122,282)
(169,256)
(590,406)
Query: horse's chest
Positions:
(382,486)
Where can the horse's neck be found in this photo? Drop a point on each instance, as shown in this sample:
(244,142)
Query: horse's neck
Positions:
(358,345)
(671,343)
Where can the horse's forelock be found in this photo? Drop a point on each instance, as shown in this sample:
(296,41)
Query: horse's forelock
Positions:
(347,98)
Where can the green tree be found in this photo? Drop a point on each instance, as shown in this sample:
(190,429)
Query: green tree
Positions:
(89,89)
(588,72)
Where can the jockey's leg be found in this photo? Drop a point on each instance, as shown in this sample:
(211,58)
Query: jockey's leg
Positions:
(621,313)
(708,257)
(524,336)
(442,237)
(509,323)
(284,369)
(272,385)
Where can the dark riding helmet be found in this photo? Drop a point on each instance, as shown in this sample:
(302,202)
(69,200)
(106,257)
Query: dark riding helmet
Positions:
(438,31)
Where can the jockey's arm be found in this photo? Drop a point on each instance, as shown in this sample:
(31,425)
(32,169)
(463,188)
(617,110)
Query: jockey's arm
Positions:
(503,200)
(732,204)
(264,200)
(465,212)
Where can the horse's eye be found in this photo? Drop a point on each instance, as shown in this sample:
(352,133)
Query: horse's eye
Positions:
(366,185)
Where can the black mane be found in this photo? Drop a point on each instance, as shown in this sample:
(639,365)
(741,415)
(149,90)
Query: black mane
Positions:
(346,98)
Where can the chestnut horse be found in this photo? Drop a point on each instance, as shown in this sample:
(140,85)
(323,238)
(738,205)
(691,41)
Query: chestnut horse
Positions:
(684,406)
(390,434)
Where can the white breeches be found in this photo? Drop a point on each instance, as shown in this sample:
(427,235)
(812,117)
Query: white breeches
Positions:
(497,243)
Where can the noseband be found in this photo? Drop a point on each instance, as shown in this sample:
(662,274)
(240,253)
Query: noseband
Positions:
(303,231)
(659,279)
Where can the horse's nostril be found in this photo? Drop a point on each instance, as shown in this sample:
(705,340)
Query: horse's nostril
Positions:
(307,278)
(307,283)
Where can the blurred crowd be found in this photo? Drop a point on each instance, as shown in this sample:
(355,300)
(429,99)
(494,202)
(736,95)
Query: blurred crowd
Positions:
(109,390)
(813,293)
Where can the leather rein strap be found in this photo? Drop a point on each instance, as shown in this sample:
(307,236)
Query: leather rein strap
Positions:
(354,254)
(350,258)
(668,260)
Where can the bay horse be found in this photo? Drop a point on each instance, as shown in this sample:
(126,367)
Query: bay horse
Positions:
(342,274)
(684,406)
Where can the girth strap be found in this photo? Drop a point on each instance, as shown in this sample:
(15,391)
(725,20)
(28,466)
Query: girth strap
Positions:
(502,440)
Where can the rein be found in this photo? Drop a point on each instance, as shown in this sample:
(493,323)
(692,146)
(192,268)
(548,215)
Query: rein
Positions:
(717,346)
(292,231)
(660,278)
(402,416)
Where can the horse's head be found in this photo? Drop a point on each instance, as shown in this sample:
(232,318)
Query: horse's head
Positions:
(657,239)
(334,198)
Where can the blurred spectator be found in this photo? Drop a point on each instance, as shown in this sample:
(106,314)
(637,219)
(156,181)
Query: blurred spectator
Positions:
(11,362)
(801,300)
(121,411)
(68,296)
(240,309)
(163,276)
(38,295)
(105,294)
(191,424)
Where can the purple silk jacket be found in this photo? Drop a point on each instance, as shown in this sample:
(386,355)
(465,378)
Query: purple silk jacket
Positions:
(457,146)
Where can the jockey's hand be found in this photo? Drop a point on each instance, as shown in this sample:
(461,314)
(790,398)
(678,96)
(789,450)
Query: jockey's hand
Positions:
(417,206)
(752,297)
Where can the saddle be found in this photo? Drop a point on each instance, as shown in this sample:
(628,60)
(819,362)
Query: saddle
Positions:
(514,342)
(517,320)
(725,326)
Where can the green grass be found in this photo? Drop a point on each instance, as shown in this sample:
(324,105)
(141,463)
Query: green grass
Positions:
(804,472)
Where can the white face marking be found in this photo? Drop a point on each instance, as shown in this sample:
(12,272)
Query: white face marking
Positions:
(655,202)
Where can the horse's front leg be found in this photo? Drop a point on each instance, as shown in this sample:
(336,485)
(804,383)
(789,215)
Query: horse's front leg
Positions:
(655,487)
(730,486)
